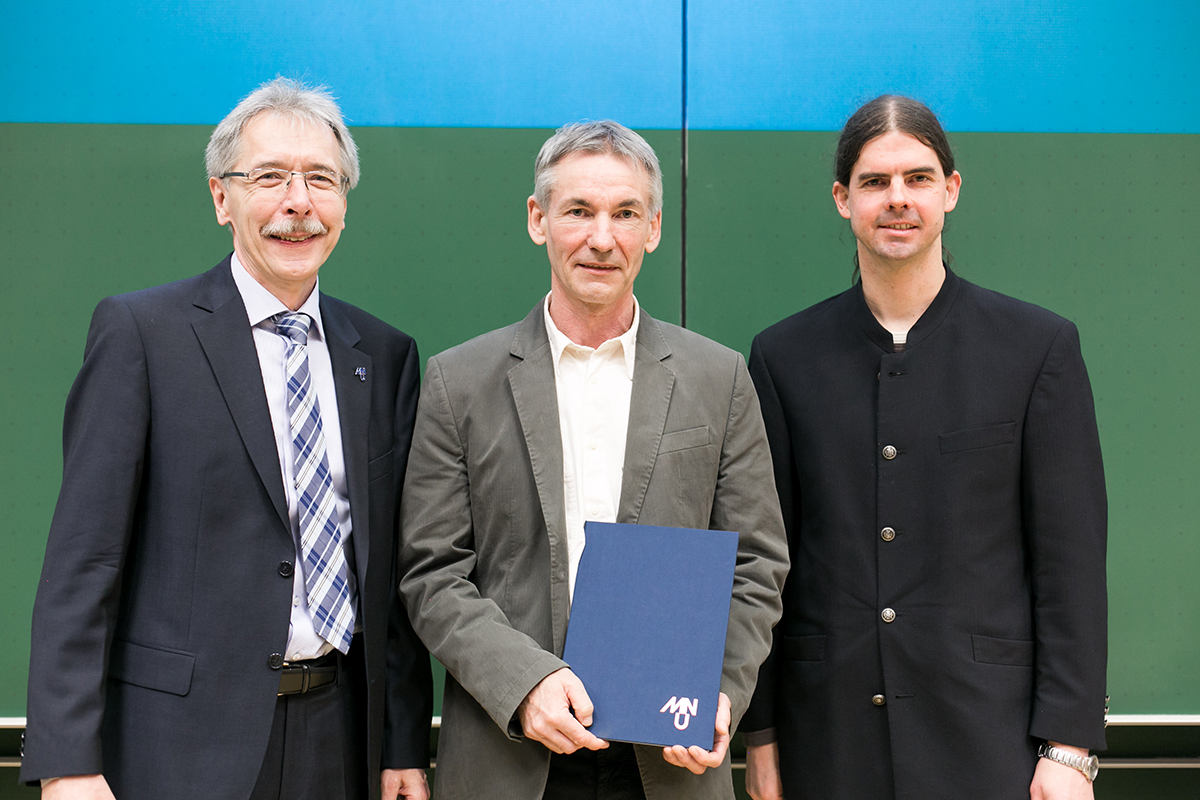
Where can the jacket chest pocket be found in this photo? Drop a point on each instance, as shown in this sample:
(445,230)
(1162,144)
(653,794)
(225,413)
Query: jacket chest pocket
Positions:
(688,459)
(977,438)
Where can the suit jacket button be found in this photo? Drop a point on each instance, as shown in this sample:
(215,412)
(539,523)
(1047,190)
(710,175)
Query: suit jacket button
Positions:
(275,661)
(888,615)
(878,699)
(887,534)
(285,569)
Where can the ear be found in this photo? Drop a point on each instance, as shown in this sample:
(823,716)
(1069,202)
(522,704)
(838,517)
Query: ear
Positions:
(841,198)
(655,232)
(953,184)
(220,200)
(537,222)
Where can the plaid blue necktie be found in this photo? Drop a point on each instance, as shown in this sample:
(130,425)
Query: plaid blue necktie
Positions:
(326,575)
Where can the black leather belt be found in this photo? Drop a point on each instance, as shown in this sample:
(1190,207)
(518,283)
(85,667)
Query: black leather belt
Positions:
(298,677)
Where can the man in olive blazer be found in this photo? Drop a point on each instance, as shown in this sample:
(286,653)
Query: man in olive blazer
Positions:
(485,557)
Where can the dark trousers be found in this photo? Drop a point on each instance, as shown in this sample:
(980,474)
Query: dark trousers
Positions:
(610,774)
(317,749)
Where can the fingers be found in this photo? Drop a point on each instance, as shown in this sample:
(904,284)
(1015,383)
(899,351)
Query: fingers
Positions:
(546,714)
(696,759)
(409,784)
(578,700)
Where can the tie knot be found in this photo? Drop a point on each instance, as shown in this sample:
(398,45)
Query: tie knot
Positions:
(293,326)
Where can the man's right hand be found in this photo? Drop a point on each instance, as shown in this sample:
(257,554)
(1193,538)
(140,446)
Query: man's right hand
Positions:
(78,787)
(546,714)
(762,772)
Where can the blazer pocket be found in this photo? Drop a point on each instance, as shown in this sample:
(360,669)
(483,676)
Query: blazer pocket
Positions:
(684,440)
(803,648)
(378,467)
(152,667)
(1007,652)
(977,438)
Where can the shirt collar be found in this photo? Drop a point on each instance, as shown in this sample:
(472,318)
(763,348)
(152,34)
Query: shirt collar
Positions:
(261,305)
(627,341)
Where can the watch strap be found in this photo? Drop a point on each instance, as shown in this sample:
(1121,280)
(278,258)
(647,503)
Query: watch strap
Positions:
(1088,765)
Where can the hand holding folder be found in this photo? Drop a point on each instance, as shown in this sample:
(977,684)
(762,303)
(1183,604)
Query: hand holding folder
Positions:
(557,713)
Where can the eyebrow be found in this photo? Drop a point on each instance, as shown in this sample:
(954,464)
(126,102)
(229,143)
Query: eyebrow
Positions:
(579,201)
(275,164)
(866,176)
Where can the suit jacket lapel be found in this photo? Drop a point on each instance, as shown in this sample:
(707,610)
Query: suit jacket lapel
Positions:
(228,344)
(536,399)
(354,415)
(653,382)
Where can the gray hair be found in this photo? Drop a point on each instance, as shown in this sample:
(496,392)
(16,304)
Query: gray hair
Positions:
(603,136)
(282,97)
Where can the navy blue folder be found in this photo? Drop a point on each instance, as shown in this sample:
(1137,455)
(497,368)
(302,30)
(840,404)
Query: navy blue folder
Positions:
(647,630)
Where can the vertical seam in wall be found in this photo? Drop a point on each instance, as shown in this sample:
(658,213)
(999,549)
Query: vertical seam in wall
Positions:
(683,174)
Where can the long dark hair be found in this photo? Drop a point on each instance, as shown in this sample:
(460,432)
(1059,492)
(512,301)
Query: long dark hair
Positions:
(884,114)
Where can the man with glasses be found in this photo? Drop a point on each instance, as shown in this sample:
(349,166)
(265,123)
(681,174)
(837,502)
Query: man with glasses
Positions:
(217,614)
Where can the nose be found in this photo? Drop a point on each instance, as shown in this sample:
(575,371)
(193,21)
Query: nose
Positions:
(897,195)
(600,238)
(298,197)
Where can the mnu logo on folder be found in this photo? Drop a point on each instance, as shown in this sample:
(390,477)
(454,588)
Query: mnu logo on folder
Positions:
(681,707)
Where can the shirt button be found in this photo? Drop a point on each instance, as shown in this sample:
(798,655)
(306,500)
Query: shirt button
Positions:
(887,534)
(296,601)
(594,444)
(595,379)
(275,661)
(888,615)
(594,511)
(878,699)
(889,452)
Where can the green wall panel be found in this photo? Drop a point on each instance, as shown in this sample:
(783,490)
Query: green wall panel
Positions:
(1098,228)
(435,244)
(1091,226)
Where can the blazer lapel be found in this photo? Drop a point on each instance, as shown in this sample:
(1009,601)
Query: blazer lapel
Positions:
(653,382)
(354,414)
(536,399)
(228,343)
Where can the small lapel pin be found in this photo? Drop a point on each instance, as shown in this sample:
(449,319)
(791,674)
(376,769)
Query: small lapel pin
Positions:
(361,372)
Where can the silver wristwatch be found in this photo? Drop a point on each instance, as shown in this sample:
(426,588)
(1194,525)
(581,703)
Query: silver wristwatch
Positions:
(1088,765)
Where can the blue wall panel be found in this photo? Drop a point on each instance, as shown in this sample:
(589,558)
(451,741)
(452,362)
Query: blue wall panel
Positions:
(1045,66)
(984,65)
(537,63)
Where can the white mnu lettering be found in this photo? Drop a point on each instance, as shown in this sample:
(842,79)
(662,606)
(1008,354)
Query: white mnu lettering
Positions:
(683,709)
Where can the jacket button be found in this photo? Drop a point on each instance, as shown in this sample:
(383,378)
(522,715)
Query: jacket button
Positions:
(285,569)
(887,534)
(888,615)
(878,699)
(889,452)
(275,661)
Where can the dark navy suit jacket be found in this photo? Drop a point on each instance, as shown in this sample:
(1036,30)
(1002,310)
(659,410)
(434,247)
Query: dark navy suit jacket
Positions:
(163,596)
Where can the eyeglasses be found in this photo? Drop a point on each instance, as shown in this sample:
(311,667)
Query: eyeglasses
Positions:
(273,178)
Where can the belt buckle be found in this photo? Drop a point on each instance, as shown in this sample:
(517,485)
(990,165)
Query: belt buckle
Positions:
(305,678)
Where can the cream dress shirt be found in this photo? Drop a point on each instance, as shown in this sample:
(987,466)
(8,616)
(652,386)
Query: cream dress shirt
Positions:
(594,387)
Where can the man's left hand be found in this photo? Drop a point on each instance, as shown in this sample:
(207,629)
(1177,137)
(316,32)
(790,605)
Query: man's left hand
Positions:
(407,783)
(1054,781)
(697,759)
